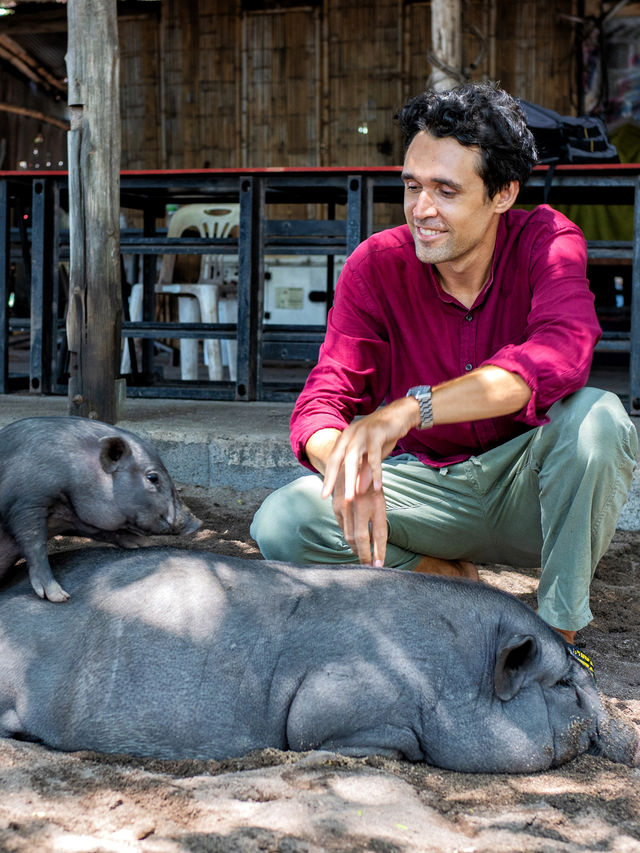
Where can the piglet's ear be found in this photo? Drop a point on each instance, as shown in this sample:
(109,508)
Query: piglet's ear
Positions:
(514,665)
(113,449)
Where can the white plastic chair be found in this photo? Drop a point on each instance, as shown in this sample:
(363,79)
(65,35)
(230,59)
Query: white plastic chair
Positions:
(198,301)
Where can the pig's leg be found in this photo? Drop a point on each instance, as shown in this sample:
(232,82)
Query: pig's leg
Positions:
(9,551)
(11,690)
(11,727)
(328,712)
(64,520)
(124,539)
(29,527)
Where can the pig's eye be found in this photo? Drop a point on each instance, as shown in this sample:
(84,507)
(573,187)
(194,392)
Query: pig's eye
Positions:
(152,477)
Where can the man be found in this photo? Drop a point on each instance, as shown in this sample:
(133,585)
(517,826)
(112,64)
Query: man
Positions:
(474,325)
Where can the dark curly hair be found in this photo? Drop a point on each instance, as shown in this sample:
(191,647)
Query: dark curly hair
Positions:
(479,114)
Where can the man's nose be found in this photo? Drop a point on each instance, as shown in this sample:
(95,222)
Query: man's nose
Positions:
(424,206)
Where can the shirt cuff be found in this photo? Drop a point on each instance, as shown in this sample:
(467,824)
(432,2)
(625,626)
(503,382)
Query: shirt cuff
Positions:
(533,414)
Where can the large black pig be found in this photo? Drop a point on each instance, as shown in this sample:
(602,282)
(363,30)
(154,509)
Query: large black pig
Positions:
(80,476)
(185,654)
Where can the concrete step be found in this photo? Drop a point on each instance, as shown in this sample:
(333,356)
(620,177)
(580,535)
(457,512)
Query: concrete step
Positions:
(227,447)
(224,446)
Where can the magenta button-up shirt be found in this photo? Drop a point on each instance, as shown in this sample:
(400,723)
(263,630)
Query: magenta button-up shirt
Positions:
(392,326)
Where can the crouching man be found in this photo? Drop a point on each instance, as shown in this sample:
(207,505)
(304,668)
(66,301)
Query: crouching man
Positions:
(463,339)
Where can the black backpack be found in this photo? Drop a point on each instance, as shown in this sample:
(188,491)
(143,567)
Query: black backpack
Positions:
(567,139)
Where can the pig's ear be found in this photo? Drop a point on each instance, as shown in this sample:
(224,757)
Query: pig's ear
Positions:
(514,664)
(113,449)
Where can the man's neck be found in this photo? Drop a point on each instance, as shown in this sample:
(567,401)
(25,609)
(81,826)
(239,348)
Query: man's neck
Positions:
(464,284)
(465,277)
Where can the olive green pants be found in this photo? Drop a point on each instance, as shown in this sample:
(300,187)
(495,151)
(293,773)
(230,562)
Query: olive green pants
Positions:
(550,497)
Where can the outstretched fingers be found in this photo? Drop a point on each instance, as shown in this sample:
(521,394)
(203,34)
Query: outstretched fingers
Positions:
(379,531)
(364,524)
(358,454)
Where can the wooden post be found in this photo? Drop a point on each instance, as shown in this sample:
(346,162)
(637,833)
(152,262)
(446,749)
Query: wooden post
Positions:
(446,45)
(94,318)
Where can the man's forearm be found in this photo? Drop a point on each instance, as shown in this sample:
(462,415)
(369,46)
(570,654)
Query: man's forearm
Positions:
(488,392)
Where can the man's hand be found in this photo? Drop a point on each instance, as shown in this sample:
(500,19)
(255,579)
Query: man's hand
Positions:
(358,452)
(353,475)
(363,520)
(351,461)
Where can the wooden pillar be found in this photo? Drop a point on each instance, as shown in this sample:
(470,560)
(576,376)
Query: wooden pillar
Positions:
(446,45)
(94,318)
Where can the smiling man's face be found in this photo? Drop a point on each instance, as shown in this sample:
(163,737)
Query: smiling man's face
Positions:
(446,205)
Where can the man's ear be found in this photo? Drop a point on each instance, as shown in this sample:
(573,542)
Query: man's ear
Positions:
(505,198)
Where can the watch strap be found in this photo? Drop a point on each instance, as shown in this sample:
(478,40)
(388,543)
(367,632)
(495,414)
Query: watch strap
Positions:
(422,394)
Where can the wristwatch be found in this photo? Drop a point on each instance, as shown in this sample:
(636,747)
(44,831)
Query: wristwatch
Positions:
(422,393)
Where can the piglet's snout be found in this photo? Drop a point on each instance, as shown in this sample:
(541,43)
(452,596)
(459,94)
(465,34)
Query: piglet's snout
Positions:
(183,520)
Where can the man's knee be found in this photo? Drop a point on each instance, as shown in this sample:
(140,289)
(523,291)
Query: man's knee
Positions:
(278,525)
(602,430)
(607,433)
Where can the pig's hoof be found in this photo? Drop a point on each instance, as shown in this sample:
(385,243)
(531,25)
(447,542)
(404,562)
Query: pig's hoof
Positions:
(52,592)
(57,593)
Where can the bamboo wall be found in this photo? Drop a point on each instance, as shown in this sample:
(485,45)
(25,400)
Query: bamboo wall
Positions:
(21,136)
(140,93)
(247,83)
(208,84)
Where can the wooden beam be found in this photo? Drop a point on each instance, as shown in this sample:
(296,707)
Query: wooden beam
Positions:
(94,317)
(446,45)
(631,10)
(25,111)
(52,18)
(30,67)
(42,21)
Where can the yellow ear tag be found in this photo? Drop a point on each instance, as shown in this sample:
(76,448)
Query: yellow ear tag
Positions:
(583,659)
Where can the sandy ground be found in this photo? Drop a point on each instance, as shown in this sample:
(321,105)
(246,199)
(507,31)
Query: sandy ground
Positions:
(281,801)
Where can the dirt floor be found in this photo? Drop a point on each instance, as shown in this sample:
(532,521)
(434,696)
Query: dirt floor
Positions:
(281,801)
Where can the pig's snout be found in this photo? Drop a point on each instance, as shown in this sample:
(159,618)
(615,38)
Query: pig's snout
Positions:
(167,517)
(619,739)
(185,521)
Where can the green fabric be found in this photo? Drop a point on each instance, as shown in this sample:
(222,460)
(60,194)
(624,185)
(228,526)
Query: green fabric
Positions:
(626,138)
(549,498)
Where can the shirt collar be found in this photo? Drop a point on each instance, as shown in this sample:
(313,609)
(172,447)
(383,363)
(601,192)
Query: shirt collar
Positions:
(480,298)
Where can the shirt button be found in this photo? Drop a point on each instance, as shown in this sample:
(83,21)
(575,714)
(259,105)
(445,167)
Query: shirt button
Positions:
(468,367)
(469,317)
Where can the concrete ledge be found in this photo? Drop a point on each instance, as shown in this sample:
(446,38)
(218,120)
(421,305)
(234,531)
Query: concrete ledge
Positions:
(226,446)
(217,445)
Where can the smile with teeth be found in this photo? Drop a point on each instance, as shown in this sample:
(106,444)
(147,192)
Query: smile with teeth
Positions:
(428,232)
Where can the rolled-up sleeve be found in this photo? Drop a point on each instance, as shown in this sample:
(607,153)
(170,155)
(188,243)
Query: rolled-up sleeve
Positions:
(352,373)
(555,354)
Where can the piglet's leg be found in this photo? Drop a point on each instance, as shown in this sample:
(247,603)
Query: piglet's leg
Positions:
(29,527)
(125,539)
